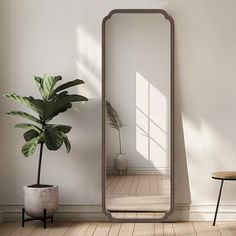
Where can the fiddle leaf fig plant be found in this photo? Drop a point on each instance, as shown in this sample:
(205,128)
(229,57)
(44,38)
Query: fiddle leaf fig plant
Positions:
(54,100)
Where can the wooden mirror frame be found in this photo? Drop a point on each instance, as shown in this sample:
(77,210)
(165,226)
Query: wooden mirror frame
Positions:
(105,210)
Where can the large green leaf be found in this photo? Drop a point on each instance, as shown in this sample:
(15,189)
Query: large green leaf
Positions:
(34,104)
(53,138)
(59,95)
(46,85)
(66,85)
(61,110)
(25,115)
(66,142)
(28,126)
(29,148)
(51,109)
(30,134)
(72,98)
(39,83)
(62,128)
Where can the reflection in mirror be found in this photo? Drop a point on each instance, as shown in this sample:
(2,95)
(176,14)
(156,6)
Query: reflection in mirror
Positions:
(138,115)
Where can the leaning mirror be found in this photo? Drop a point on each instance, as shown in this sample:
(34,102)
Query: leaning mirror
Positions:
(137,115)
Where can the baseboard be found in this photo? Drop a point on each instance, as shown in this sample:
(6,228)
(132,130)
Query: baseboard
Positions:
(65,213)
(186,212)
(143,170)
(182,212)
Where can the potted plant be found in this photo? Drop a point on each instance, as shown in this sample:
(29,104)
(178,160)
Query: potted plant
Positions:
(120,161)
(38,196)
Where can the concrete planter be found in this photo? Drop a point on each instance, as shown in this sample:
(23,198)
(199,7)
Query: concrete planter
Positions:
(121,162)
(38,199)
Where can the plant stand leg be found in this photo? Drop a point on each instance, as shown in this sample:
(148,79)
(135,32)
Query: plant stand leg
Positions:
(23,217)
(52,219)
(218,202)
(44,218)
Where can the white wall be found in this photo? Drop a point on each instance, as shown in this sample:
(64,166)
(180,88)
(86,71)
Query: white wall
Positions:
(64,37)
(138,86)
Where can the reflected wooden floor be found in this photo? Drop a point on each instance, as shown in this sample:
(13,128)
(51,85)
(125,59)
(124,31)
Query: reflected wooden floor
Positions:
(138,193)
(119,229)
(137,215)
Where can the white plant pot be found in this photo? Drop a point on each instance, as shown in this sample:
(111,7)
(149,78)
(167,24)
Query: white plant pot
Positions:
(121,162)
(38,199)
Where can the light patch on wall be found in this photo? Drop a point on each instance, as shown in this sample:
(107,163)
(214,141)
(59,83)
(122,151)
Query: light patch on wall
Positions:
(204,141)
(88,63)
(207,151)
(151,122)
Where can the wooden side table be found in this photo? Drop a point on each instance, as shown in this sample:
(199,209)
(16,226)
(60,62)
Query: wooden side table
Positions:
(225,175)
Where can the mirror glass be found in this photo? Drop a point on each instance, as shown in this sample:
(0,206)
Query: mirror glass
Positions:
(138,115)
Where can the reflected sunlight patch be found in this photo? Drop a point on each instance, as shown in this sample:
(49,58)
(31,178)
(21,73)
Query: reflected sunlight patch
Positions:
(151,122)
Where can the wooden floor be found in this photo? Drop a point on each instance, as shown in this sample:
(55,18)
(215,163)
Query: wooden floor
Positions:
(117,229)
(138,192)
(138,185)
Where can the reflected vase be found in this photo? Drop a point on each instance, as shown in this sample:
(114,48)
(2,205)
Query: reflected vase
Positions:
(121,162)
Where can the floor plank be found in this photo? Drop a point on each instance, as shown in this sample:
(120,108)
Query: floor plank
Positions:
(8,228)
(59,229)
(161,185)
(206,229)
(168,229)
(158,229)
(133,188)
(144,185)
(77,229)
(144,229)
(119,185)
(185,228)
(227,228)
(91,229)
(109,181)
(40,231)
(127,185)
(27,230)
(154,185)
(130,215)
(146,215)
(111,187)
(115,229)
(126,229)
(102,229)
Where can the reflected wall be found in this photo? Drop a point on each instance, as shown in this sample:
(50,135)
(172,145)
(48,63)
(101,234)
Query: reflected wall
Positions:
(138,86)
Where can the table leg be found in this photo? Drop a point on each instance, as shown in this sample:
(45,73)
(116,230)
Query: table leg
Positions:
(218,202)
(44,218)
(23,217)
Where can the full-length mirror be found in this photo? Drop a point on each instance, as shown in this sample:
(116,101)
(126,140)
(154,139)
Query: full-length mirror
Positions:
(138,114)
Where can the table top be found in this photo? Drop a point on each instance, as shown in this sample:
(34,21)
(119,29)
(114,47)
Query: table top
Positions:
(224,175)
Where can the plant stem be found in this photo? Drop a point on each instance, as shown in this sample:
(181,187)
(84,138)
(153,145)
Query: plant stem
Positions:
(119,140)
(40,163)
